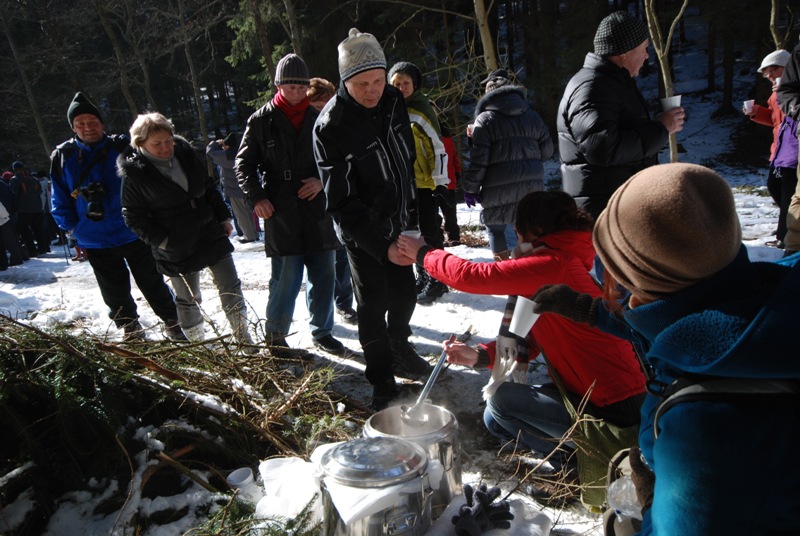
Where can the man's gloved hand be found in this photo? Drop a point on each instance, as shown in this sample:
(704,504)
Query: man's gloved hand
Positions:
(472,199)
(644,480)
(441,195)
(562,300)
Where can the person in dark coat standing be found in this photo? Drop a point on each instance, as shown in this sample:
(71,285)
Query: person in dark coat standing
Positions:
(365,155)
(169,200)
(605,133)
(510,143)
(30,210)
(86,203)
(222,154)
(278,174)
(8,231)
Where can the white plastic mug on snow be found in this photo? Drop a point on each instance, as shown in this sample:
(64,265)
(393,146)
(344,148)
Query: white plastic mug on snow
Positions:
(243,480)
(523,319)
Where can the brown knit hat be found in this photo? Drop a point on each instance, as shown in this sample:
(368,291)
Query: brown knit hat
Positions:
(668,227)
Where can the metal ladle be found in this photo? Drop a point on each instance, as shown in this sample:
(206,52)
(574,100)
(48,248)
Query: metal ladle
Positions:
(411,415)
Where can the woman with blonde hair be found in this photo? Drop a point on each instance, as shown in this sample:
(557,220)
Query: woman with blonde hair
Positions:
(171,203)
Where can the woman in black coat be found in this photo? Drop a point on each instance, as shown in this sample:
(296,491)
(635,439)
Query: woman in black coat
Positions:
(171,203)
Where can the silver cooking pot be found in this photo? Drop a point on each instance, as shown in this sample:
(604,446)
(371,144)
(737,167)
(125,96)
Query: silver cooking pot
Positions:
(375,486)
(435,429)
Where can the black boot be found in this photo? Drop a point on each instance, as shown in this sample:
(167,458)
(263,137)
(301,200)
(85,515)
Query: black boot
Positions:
(406,363)
(422,279)
(432,291)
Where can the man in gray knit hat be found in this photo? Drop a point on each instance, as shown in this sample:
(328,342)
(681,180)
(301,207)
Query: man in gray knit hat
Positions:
(365,154)
(605,132)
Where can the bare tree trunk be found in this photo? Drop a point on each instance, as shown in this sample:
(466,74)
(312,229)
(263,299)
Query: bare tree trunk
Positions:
(120,56)
(482,18)
(187,48)
(662,47)
(261,30)
(138,52)
(37,116)
(294,29)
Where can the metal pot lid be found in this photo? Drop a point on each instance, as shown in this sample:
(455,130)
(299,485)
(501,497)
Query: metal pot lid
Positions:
(374,462)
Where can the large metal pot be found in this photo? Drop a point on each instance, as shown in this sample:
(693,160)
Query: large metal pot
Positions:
(384,479)
(433,428)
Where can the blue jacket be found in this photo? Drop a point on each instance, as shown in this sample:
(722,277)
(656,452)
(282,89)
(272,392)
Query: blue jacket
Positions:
(66,166)
(724,467)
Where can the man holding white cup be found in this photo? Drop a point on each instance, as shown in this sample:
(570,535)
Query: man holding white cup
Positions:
(605,132)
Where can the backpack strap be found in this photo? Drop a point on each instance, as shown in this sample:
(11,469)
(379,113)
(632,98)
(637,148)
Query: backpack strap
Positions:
(689,389)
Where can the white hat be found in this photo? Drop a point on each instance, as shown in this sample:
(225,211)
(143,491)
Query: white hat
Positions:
(779,58)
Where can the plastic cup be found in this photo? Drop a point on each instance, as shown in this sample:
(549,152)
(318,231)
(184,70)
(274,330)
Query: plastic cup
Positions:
(748,106)
(777,81)
(670,102)
(241,477)
(413,233)
(523,318)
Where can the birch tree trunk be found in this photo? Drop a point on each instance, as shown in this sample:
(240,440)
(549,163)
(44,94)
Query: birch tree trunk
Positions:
(482,18)
(662,47)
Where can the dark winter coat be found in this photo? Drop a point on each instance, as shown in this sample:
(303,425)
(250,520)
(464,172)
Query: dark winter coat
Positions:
(272,160)
(156,208)
(28,193)
(509,144)
(725,465)
(366,161)
(67,163)
(8,201)
(605,134)
(225,160)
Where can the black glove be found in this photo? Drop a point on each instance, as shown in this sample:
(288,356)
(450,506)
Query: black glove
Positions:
(479,514)
(644,480)
(562,300)
(441,195)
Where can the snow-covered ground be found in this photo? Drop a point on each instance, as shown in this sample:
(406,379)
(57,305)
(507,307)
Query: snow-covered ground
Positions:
(51,290)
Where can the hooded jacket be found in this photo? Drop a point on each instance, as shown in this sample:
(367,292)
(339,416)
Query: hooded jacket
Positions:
(156,208)
(605,134)
(724,466)
(67,163)
(272,160)
(580,354)
(368,173)
(430,166)
(510,142)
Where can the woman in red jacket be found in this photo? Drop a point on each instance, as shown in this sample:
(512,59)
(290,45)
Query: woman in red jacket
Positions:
(559,250)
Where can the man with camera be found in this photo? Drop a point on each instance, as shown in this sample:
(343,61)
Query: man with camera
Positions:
(86,202)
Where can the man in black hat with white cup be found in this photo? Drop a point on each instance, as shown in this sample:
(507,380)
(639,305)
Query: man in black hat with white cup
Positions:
(86,203)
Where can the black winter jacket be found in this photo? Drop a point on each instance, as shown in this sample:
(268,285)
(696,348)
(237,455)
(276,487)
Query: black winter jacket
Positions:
(509,144)
(272,160)
(366,161)
(605,134)
(155,208)
(28,193)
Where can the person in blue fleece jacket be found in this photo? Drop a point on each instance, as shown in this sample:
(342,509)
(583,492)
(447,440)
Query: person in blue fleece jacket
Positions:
(722,464)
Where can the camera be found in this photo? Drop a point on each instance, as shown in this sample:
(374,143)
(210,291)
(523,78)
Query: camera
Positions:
(94,193)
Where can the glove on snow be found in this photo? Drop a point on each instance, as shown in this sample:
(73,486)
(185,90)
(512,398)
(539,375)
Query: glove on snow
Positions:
(479,514)
(562,300)
(471,199)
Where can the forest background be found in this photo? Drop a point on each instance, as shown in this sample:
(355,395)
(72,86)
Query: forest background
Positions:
(208,64)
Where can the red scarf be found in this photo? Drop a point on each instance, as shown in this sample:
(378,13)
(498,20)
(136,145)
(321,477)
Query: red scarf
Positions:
(295,114)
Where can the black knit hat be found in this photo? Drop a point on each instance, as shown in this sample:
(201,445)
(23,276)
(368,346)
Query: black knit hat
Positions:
(291,70)
(409,69)
(495,75)
(17,165)
(618,33)
(81,105)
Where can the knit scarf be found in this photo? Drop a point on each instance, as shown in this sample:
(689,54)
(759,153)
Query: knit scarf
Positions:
(523,249)
(295,114)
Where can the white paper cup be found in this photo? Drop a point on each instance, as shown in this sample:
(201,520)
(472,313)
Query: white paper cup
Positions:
(241,477)
(523,319)
(670,102)
(413,233)
(748,106)
(777,81)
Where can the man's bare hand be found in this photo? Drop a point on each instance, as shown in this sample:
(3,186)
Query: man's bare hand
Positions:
(397,257)
(311,187)
(264,209)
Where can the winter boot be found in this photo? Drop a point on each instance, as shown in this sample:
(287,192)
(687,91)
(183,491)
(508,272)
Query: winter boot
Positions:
(406,362)
(173,330)
(422,279)
(432,291)
(133,332)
